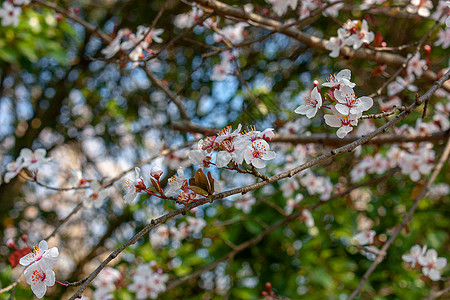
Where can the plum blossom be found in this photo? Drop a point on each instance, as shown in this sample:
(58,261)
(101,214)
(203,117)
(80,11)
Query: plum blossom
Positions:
(415,253)
(288,187)
(40,262)
(132,188)
(233,34)
(176,182)
(349,104)
(292,203)
(245,203)
(421,7)
(440,12)
(39,276)
(179,233)
(361,36)
(335,44)
(10,14)
(12,169)
(195,225)
(306,7)
(41,252)
(312,183)
(340,80)
(200,156)
(344,122)
(312,104)
(364,237)
(148,283)
(187,20)
(221,71)
(400,84)
(417,163)
(432,264)
(447,21)
(258,154)
(280,6)
(105,283)
(159,236)
(96,196)
(444,38)
(307,218)
(115,45)
(416,65)
(333,11)
(33,160)
(378,165)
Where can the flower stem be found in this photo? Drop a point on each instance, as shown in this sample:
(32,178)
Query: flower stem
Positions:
(61,283)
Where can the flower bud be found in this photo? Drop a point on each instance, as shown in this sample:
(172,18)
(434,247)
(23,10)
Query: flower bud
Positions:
(156,172)
(11,244)
(24,238)
(268,134)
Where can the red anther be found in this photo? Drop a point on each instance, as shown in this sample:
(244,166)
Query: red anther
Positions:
(268,286)
(264,293)
(427,49)
(76,10)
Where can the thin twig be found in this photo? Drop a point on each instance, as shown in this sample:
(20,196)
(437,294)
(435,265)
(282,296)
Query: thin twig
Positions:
(383,250)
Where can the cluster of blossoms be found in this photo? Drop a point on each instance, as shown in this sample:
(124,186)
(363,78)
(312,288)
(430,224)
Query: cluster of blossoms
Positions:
(314,184)
(39,273)
(442,17)
(137,44)
(136,186)
(414,160)
(429,261)
(27,160)
(148,281)
(353,33)
(346,108)
(220,71)
(245,203)
(305,216)
(10,12)
(416,67)
(235,147)
(160,236)
(105,283)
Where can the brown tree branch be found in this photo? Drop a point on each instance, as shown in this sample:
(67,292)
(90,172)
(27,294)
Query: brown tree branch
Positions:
(223,9)
(289,173)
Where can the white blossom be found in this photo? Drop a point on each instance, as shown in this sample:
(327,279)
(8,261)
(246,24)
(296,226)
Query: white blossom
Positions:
(312,104)
(258,154)
(344,122)
(432,264)
(365,237)
(10,14)
(415,253)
